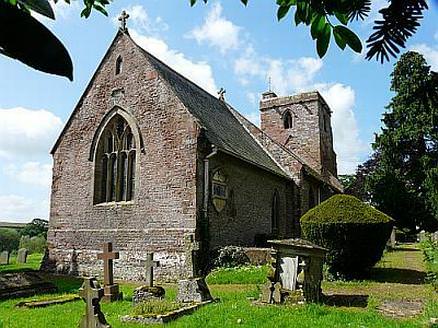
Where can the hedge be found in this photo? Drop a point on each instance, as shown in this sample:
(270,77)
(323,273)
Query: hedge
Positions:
(354,232)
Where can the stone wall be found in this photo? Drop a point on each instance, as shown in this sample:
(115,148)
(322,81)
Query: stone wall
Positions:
(164,206)
(249,205)
(310,136)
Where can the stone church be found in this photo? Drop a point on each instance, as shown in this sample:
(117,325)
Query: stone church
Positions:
(151,162)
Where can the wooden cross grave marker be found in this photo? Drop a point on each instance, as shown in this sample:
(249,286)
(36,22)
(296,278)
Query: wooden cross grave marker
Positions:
(110,288)
(150,264)
(91,293)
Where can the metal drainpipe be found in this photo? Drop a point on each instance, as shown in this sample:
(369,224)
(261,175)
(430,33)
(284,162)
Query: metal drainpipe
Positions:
(207,179)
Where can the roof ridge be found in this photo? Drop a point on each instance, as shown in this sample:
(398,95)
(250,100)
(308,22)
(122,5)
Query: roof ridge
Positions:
(147,53)
(177,81)
(234,111)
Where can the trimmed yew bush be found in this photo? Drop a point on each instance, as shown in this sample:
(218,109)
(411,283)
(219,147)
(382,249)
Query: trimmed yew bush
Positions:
(354,232)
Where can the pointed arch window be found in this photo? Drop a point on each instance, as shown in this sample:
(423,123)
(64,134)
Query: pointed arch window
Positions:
(114,174)
(119,65)
(275,213)
(288,120)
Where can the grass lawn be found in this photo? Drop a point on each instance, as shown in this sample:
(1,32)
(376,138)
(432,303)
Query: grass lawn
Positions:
(33,263)
(236,309)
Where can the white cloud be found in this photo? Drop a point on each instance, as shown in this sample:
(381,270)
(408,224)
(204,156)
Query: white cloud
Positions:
(25,132)
(348,146)
(430,53)
(217,31)
(254,117)
(293,75)
(286,76)
(20,209)
(199,72)
(33,173)
(250,64)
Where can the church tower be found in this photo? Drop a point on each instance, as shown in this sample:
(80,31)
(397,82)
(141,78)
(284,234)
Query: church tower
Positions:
(302,124)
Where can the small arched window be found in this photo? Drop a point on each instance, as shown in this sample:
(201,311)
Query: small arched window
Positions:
(119,65)
(114,174)
(288,120)
(275,213)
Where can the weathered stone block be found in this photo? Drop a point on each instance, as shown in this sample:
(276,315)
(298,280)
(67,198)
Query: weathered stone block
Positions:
(193,291)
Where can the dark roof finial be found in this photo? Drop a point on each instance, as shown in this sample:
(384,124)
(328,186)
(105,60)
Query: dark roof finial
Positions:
(123,18)
(221,94)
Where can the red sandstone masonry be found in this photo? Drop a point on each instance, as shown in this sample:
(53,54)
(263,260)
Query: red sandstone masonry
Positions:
(164,207)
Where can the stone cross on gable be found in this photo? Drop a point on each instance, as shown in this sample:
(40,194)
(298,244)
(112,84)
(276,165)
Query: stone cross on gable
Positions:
(108,256)
(221,94)
(91,293)
(123,18)
(150,264)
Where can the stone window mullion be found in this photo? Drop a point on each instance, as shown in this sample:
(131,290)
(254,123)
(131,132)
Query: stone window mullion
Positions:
(115,165)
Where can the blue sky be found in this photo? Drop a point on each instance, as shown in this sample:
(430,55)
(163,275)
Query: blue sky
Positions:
(222,44)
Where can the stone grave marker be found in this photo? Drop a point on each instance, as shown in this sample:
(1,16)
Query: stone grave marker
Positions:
(150,264)
(194,289)
(92,293)
(22,255)
(297,272)
(191,249)
(148,291)
(111,290)
(289,272)
(4,257)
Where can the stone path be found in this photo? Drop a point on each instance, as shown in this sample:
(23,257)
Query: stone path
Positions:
(397,283)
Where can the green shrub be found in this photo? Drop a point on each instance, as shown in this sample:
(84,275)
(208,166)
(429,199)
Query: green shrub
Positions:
(9,239)
(36,244)
(355,234)
(430,251)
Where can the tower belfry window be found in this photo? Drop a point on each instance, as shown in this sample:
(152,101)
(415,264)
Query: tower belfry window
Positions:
(288,120)
(114,174)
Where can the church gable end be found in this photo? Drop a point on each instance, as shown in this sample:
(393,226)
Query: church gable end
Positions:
(124,170)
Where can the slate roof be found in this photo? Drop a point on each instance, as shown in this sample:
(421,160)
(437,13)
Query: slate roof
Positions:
(222,128)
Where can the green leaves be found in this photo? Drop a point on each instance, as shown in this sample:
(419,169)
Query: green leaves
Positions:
(344,36)
(32,43)
(282,11)
(323,40)
(319,15)
(42,7)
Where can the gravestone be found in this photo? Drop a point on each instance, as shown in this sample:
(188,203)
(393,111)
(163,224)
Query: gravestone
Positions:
(191,249)
(148,291)
(194,289)
(22,255)
(296,273)
(289,272)
(111,290)
(392,241)
(4,257)
(92,293)
(150,264)
(23,284)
